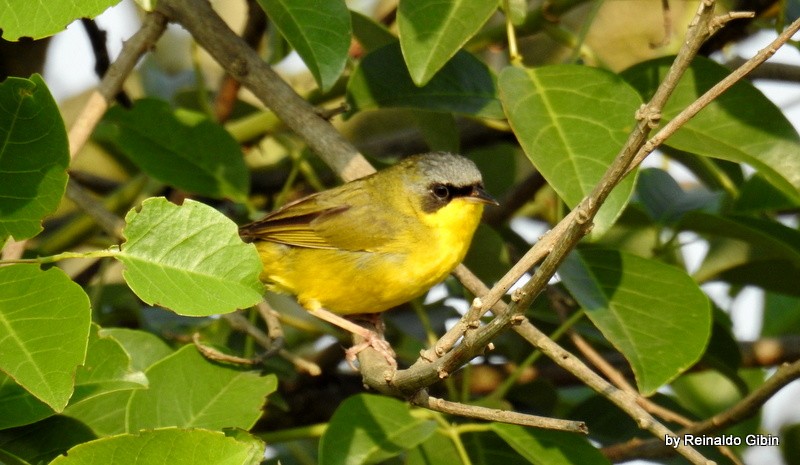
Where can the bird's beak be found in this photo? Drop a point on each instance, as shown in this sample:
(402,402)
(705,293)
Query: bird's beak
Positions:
(479,195)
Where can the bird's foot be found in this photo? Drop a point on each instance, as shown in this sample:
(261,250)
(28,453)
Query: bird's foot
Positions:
(377,342)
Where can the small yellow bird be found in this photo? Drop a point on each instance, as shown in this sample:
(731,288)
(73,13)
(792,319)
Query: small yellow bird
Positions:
(373,243)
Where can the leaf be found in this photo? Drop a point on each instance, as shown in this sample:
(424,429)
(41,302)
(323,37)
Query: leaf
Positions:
(431,32)
(781,315)
(188,391)
(742,125)
(666,202)
(543,447)
(19,407)
(107,369)
(486,448)
(105,412)
(179,148)
(758,195)
(739,240)
(45,319)
(144,348)
(189,259)
(572,121)
(319,32)
(368,429)
(369,33)
(173,446)
(34,155)
(21,18)
(464,85)
(438,449)
(43,441)
(642,307)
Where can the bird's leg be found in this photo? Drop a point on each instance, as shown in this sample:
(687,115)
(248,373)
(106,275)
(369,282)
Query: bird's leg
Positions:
(371,338)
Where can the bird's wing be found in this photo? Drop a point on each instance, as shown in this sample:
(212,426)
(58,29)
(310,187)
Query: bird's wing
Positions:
(345,218)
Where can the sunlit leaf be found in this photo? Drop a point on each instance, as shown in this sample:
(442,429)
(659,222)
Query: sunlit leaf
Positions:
(175,446)
(572,121)
(189,259)
(432,31)
(642,307)
(44,319)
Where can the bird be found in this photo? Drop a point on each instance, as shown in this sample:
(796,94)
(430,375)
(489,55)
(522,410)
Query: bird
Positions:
(374,243)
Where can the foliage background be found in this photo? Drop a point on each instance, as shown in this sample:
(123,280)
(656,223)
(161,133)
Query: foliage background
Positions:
(127,379)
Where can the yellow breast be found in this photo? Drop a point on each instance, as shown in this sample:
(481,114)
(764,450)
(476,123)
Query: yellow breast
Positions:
(349,282)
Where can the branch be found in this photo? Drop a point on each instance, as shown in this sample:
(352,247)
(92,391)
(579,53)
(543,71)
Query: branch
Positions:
(743,410)
(99,100)
(422,399)
(96,106)
(244,64)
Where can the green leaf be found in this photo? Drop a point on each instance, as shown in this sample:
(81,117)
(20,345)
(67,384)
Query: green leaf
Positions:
(464,85)
(173,446)
(758,195)
(642,307)
(105,412)
(144,348)
(43,441)
(369,33)
(572,121)
(21,18)
(186,390)
(19,407)
(742,125)
(666,202)
(45,319)
(739,240)
(319,32)
(107,369)
(431,32)
(781,315)
(34,155)
(438,449)
(189,259)
(368,429)
(486,448)
(543,447)
(178,147)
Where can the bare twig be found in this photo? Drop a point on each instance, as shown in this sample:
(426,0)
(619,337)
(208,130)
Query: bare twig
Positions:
(99,100)
(229,88)
(422,399)
(97,38)
(237,321)
(562,304)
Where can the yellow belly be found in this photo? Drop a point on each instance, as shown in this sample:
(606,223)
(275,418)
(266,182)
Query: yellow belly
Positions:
(349,282)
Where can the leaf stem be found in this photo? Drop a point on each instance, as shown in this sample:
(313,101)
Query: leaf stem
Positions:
(63,256)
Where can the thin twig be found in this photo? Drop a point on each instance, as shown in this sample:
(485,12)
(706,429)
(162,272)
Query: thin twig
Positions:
(562,304)
(254,29)
(99,100)
(237,321)
(422,399)
(742,410)
(711,94)
(97,38)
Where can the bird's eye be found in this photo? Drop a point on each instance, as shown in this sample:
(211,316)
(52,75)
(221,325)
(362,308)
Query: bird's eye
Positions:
(440,191)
